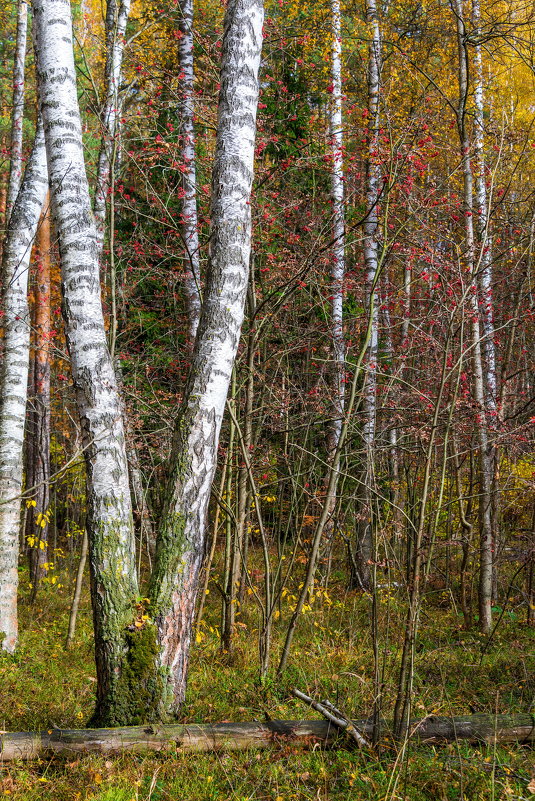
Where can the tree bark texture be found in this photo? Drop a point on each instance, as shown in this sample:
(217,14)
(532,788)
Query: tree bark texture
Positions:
(14,377)
(198,738)
(116,21)
(190,234)
(364,548)
(114,586)
(17,115)
(485,454)
(181,538)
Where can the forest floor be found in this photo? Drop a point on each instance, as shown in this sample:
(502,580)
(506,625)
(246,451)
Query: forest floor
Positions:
(45,686)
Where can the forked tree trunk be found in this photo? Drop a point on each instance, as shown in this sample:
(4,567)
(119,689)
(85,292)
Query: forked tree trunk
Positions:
(181,539)
(14,377)
(114,587)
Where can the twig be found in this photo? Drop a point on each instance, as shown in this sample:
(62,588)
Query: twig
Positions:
(336,717)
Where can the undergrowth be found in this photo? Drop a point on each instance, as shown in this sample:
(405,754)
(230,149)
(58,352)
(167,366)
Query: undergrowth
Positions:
(44,686)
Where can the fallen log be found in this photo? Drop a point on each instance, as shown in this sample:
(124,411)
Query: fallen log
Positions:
(193,737)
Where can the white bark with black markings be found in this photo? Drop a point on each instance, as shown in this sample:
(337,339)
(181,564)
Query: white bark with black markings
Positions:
(182,533)
(109,513)
(17,114)
(14,377)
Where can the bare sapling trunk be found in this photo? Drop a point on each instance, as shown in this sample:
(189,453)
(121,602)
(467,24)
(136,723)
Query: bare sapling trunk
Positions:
(14,377)
(17,114)
(39,418)
(182,533)
(114,587)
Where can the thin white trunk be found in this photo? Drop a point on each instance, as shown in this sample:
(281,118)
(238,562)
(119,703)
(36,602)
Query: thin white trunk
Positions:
(14,376)
(190,234)
(484,234)
(371,266)
(17,114)
(486,465)
(109,513)
(182,533)
(116,21)
(338,253)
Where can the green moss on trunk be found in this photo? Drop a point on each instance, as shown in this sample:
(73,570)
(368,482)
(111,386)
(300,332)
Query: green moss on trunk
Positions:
(138,696)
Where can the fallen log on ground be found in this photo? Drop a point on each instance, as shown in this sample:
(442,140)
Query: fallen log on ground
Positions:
(193,737)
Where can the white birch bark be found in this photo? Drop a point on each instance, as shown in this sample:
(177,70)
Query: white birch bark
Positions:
(116,21)
(109,513)
(17,115)
(371,267)
(338,253)
(484,234)
(190,234)
(182,533)
(486,462)
(14,377)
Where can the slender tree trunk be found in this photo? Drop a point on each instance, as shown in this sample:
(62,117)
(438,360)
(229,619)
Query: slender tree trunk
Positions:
(38,515)
(14,377)
(77,592)
(114,587)
(181,537)
(337,367)
(486,461)
(190,235)
(364,551)
(116,21)
(17,118)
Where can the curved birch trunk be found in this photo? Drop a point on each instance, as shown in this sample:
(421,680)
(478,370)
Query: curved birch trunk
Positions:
(17,118)
(14,377)
(109,515)
(190,234)
(181,539)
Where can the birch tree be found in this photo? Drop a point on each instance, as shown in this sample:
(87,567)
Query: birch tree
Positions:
(17,116)
(361,562)
(14,377)
(338,251)
(485,457)
(109,514)
(190,235)
(181,537)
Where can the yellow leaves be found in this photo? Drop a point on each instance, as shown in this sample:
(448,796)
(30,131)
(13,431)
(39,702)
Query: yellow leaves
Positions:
(30,503)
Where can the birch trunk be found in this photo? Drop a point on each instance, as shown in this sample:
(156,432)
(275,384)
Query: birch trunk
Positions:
(484,235)
(181,538)
(109,515)
(14,377)
(116,21)
(486,462)
(364,554)
(190,235)
(17,118)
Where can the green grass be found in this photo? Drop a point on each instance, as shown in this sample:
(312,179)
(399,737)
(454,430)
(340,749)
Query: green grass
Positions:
(44,686)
